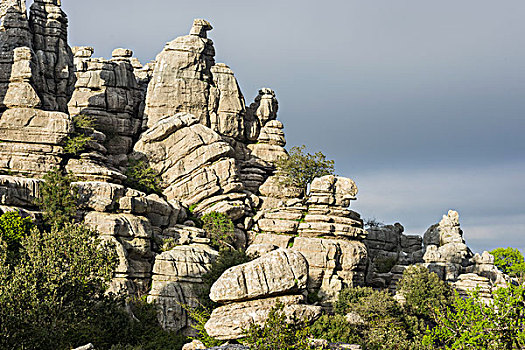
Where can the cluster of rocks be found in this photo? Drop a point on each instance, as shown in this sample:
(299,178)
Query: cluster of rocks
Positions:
(185,116)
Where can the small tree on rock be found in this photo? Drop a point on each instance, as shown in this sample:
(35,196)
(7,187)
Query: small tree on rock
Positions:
(301,168)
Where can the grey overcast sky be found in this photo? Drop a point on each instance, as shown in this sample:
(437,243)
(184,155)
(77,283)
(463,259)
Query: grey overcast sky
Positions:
(421,102)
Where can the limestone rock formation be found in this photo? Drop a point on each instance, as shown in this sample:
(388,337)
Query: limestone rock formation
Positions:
(281,271)
(192,160)
(176,276)
(229,321)
(108,92)
(390,253)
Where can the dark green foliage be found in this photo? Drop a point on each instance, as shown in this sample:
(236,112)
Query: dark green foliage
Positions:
(472,324)
(200,316)
(301,168)
(424,292)
(278,333)
(219,228)
(58,199)
(77,143)
(510,261)
(336,329)
(60,277)
(384,264)
(12,229)
(142,177)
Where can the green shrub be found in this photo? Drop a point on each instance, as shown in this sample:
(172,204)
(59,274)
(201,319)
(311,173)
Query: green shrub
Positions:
(200,316)
(142,177)
(510,261)
(472,324)
(12,229)
(58,281)
(77,143)
(58,199)
(384,264)
(219,228)
(300,168)
(424,292)
(168,244)
(335,328)
(278,333)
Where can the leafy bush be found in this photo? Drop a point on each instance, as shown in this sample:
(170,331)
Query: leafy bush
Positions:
(77,143)
(510,261)
(219,228)
(335,328)
(59,279)
(379,321)
(472,324)
(142,177)
(200,316)
(168,244)
(12,229)
(424,292)
(278,333)
(58,199)
(300,168)
(385,264)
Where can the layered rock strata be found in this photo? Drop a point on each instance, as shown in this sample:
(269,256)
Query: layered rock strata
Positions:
(252,289)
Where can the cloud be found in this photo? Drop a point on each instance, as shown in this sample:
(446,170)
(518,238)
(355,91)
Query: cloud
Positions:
(489,200)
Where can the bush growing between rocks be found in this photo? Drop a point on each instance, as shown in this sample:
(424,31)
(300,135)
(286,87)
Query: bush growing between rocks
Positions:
(77,143)
(301,168)
(220,229)
(142,177)
(375,320)
(278,333)
(58,199)
(13,228)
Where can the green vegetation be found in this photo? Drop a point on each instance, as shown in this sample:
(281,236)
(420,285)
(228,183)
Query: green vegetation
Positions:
(200,316)
(53,287)
(472,324)
(77,143)
(510,261)
(13,228)
(278,333)
(53,290)
(301,168)
(219,228)
(375,320)
(384,264)
(142,177)
(58,199)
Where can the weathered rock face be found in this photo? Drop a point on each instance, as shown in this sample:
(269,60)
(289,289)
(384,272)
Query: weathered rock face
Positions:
(108,92)
(34,73)
(329,235)
(176,276)
(229,321)
(131,235)
(54,59)
(445,248)
(278,272)
(192,160)
(390,252)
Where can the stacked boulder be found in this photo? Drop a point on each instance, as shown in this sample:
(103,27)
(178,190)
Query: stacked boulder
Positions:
(390,253)
(445,250)
(324,231)
(108,92)
(250,291)
(30,138)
